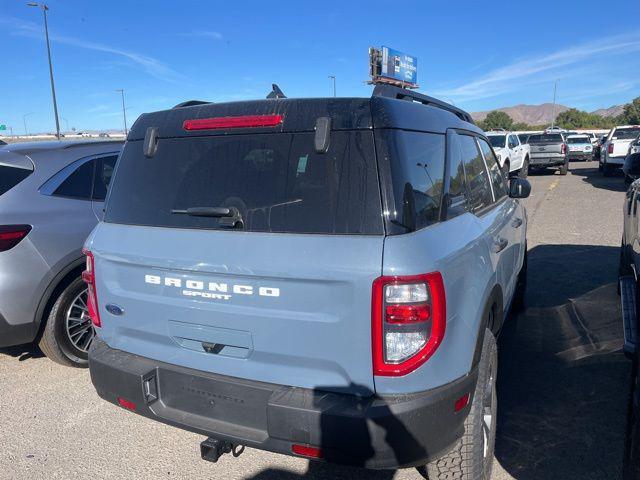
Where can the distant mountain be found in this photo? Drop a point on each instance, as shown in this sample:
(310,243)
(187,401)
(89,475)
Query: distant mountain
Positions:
(541,114)
(530,114)
(613,111)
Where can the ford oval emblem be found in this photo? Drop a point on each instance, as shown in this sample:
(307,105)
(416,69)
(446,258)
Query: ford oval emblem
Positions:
(114,309)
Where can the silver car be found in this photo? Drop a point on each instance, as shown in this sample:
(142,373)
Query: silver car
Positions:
(51,197)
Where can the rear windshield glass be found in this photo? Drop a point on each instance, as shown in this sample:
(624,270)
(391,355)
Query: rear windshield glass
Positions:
(578,140)
(497,141)
(626,133)
(11,176)
(551,138)
(277,182)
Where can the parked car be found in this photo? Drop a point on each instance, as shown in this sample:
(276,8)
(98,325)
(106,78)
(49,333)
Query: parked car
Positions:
(549,150)
(513,156)
(306,281)
(579,148)
(616,147)
(104,135)
(2,142)
(634,147)
(51,197)
(523,137)
(597,149)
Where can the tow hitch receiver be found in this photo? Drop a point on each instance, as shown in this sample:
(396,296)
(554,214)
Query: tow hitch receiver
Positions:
(212,449)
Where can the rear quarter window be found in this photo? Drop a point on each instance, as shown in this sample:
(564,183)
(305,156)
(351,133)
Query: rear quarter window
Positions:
(11,176)
(277,182)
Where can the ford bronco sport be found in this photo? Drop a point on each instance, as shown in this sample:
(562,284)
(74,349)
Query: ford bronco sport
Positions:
(322,278)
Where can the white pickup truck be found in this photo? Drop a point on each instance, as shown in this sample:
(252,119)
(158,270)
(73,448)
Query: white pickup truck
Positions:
(616,146)
(513,156)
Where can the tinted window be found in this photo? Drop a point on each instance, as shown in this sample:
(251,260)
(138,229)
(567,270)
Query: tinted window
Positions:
(495,173)
(417,169)
(277,182)
(626,133)
(476,173)
(102,177)
(523,138)
(578,140)
(497,141)
(11,176)
(550,138)
(78,184)
(513,142)
(457,199)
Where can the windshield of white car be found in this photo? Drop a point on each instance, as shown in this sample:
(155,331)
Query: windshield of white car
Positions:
(497,141)
(626,133)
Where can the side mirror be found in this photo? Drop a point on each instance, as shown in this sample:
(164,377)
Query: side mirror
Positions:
(631,165)
(519,188)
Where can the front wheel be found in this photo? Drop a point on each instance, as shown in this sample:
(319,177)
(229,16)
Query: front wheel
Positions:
(69,332)
(472,456)
(524,171)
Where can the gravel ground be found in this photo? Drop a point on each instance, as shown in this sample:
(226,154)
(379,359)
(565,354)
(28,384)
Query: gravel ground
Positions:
(562,382)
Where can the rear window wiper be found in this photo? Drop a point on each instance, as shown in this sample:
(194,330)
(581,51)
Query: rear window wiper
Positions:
(229,216)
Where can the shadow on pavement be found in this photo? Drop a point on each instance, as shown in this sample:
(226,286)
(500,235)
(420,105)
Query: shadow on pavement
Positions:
(597,179)
(23,352)
(563,379)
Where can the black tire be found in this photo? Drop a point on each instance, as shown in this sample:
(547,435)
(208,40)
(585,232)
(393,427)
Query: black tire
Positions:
(607,170)
(55,342)
(521,286)
(564,168)
(505,169)
(469,460)
(524,171)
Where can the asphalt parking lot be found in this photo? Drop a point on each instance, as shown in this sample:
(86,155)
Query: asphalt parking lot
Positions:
(562,377)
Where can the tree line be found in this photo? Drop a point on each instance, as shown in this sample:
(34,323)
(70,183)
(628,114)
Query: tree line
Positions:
(569,119)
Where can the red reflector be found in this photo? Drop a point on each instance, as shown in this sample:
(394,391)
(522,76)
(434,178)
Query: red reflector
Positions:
(11,235)
(462,402)
(307,451)
(129,405)
(400,313)
(246,121)
(89,277)
(610,148)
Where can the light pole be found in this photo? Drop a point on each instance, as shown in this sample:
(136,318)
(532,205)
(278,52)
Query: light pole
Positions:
(333,77)
(124,115)
(553,109)
(53,88)
(24,120)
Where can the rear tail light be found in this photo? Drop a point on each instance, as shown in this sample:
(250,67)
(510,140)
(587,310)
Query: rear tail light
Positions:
(11,235)
(307,451)
(89,276)
(408,322)
(610,148)
(245,121)
(563,149)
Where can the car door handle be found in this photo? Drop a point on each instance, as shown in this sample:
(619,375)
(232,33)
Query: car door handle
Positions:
(516,223)
(500,244)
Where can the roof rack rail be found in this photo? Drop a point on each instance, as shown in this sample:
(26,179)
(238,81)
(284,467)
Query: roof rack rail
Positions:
(391,91)
(191,103)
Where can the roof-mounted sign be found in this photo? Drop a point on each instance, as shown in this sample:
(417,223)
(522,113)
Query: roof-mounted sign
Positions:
(392,66)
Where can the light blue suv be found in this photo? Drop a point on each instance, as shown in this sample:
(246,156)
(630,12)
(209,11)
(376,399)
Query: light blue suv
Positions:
(316,277)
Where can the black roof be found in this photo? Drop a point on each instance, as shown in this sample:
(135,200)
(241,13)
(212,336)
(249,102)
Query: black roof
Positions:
(388,107)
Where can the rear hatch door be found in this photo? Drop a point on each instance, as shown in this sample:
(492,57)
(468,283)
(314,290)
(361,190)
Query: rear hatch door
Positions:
(546,145)
(282,297)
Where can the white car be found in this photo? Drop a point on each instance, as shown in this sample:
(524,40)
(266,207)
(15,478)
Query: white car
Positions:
(513,156)
(615,148)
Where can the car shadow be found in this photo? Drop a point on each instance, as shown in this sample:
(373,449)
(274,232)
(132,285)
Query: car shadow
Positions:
(594,177)
(23,352)
(563,379)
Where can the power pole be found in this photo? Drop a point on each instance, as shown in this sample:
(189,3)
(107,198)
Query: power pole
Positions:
(333,77)
(553,109)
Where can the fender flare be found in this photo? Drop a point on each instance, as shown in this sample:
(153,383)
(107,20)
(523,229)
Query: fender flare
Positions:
(494,298)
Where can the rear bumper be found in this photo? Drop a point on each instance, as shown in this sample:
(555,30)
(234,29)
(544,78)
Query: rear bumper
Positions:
(389,431)
(546,161)
(618,161)
(580,155)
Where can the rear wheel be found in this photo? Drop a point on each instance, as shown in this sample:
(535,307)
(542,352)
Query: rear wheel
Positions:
(564,168)
(68,332)
(505,169)
(472,456)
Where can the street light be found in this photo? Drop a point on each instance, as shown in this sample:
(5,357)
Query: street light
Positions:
(124,115)
(45,8)
(333,77)
(24,120)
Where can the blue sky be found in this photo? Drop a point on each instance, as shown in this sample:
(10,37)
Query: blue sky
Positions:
(480,55)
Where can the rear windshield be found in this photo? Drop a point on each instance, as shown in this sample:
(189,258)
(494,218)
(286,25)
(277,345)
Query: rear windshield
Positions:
(497,141)
(626,133)
(277,182)
(550,138)
(578,140)
(11,176)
